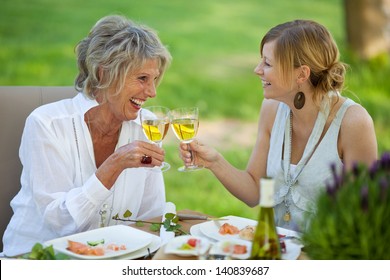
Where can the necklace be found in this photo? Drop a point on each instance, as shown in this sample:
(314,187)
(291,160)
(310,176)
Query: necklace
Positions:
(103,212)
(287,214)
(312,144)
(78,151)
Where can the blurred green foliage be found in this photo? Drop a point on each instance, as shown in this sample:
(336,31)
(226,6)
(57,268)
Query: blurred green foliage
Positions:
(215,47)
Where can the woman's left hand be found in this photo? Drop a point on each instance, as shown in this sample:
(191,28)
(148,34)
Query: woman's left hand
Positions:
(132,155)
(141,154)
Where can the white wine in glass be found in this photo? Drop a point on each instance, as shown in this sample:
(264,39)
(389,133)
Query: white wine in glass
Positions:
(155,124)
(185,123)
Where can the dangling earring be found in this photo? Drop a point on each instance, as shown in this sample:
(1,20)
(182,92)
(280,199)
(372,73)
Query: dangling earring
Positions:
(299,100)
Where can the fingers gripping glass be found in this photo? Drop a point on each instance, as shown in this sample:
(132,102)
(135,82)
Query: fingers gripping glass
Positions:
(155,124)
(185,123)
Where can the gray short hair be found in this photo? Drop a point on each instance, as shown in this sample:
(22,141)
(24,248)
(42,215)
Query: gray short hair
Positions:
(116,46)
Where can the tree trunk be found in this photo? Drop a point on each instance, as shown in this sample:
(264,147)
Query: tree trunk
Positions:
(368,26)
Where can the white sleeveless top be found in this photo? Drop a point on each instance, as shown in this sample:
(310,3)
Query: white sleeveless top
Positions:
(308,179)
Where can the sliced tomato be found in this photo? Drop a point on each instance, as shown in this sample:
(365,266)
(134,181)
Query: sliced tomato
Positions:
(192,242)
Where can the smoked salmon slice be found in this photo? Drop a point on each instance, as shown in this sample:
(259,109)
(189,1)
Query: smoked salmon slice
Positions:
(83,249)
(227,228)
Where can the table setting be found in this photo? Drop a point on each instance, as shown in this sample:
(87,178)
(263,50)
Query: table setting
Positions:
(190,235)
(205,229)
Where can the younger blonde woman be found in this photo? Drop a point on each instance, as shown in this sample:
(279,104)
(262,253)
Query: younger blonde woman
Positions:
(305,124)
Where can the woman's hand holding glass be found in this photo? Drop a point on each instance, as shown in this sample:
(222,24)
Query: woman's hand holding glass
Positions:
(155,124)
(185,123)
(206,156)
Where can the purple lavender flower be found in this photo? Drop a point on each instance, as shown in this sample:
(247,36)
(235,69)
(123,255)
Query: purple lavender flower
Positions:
(374,168)
(385,161)
(330,189)
(384,185)
(333,168)
(343,175)
(364,198)
(338,180)
(355,169)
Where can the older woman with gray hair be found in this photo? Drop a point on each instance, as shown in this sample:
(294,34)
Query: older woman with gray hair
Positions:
(83,157)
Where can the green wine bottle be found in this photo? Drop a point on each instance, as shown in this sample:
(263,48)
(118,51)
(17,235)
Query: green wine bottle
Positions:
(266,244)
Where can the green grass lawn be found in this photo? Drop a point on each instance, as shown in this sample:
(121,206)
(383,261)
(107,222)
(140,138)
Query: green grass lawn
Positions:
(215,47)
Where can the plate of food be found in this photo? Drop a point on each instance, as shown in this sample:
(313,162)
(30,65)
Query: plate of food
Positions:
(145,252)
(233,248)
(187,245)
(231,227)
(234,227)
(102,243)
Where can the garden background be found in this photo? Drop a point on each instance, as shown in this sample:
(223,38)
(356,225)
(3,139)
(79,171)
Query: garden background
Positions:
(215,47)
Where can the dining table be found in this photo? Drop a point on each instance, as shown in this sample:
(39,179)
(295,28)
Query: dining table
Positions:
(185,226)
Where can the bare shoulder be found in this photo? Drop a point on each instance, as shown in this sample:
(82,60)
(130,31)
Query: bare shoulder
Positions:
(357,136)
(356,117)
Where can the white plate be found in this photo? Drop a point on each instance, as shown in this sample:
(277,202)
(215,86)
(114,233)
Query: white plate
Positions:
(174,246)
(195,231)
(133,239)
(218,248)
(209,230)
(144,252)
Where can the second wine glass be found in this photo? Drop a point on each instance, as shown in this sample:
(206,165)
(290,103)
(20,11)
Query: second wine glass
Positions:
(155,124)
(185,123)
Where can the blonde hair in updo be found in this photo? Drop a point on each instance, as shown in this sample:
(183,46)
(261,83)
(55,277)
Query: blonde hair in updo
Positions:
(305,42)
(115,47)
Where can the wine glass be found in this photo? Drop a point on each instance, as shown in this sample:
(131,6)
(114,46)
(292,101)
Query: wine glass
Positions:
(185,123)
(155,124)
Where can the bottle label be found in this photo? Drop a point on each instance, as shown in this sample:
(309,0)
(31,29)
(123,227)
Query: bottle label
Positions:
(266,192)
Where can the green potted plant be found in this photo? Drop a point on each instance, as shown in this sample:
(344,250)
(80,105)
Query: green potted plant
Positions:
(353,215)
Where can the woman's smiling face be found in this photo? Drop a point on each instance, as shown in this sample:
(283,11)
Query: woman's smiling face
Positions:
(267,70)
(139,86)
